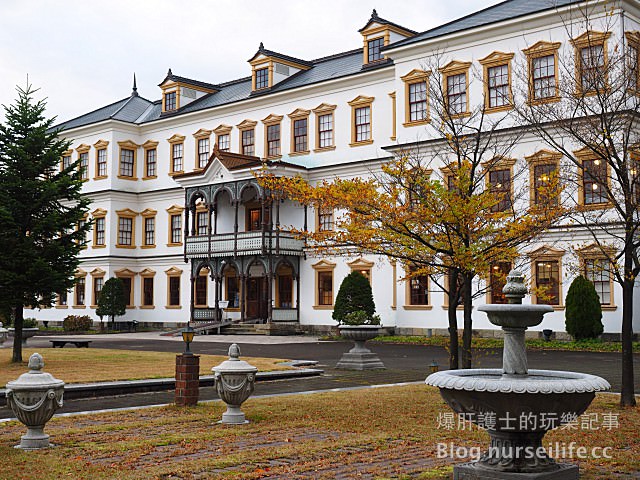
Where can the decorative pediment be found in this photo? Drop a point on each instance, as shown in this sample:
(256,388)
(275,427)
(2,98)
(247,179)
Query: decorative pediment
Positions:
(80,273)
(176,138)
(361,100)
(125,272)
(128,144)
(360,264)
(324,108)
(586,153)
(247,124)
(323,265)
(99,212)
(590,37)
(415,75)
(97,272)
(175,209)
(299,113)
(455,66)
(544,156)
(173,271)
(376,24)
(222,129)
(633,37)
(147,272)
(496,58)
(541,48)
(149,144)
(272,119)
(499,162)
(596,251)
(83,148)
(202,133)
(100,144)
(126,212)
(546,251)
(148,212)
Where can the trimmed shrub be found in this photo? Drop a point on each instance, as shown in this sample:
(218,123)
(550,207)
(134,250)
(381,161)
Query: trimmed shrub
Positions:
(77,323)
(29,323)
(583,313)
(354,295)
(360,317)
(112,303)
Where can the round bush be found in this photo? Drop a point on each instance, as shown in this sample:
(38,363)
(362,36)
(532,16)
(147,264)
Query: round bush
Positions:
(77,323)
(354,294)
(583,313)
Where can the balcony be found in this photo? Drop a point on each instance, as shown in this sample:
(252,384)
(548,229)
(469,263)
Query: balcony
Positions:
(244,243)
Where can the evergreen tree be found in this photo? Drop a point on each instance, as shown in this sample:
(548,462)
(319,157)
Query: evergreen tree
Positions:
(583,313)
(40,209)
(354,294)
(112,302)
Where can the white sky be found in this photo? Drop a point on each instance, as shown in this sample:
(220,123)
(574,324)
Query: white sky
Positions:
(82,53)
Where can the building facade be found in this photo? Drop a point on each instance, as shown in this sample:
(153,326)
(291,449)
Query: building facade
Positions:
(178,215)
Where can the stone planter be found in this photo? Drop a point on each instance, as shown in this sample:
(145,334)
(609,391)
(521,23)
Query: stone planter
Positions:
(34,397)
(26,333)
(235,382)
(4,334)
(359,357)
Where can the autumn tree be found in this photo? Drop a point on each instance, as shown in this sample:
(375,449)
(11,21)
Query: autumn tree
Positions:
(588,113)
(445,208)
(40,209)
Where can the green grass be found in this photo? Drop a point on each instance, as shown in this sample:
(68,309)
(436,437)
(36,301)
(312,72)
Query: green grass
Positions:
(496,343)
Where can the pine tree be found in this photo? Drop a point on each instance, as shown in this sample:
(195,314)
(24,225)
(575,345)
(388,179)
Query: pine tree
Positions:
(354,294)
(112,302)
(40,209)
(583,314)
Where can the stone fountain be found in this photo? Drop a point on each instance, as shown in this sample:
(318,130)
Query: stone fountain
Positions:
(524,403)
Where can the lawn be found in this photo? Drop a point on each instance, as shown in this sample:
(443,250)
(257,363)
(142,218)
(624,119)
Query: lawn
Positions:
(78,365)
(495,343)
(377,433)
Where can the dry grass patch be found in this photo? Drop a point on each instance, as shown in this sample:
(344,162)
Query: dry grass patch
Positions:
(79,365)
(367,434)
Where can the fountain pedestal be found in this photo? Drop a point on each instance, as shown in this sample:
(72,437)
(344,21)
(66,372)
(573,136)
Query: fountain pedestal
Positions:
(524,403)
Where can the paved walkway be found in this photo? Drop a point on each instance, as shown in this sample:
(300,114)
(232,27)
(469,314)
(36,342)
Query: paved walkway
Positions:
(405,363)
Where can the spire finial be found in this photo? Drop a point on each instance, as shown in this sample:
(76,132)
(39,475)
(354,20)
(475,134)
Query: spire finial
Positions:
(374,14)
(169,73)
(134,90)
(261,47)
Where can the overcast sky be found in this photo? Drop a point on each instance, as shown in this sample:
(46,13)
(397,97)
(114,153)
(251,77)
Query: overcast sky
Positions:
(82,53)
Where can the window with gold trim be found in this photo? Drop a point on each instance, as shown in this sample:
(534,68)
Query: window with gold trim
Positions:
(591,61)
(593,179)
(203,147)
(361,121)
(633,61)
(299,131)
(99,228)
(542,59)
(148,228)
(595,265)
(546,273)
(101,159)
(544,169)
(416,97)
(176,144)
(147,290)
(127,277)
(497,280)
(128,153)
(97,276)
(150,160)
(324,284)
(325,138)
(126,228)
(247,137)
(83,155)
(80,289)
(223,137)
(175,226)
(500,181)
(497,81)
(201,286)
(455,78)
(174,276)
(272,136)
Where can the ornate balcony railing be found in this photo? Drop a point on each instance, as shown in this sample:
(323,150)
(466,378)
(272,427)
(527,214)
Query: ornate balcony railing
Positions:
(200,314)
(243,243)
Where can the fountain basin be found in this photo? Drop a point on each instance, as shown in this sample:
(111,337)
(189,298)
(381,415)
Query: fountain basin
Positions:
(515,315)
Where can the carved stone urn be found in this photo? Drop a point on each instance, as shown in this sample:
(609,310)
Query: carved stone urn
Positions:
(34,397)
(27,333)
(360,357)
(235,381)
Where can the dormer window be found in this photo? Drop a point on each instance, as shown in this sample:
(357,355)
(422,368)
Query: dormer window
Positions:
(262,78)
(373,49)
(170,101)
(378,33)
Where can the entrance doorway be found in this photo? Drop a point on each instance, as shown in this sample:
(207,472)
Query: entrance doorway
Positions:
(256,298)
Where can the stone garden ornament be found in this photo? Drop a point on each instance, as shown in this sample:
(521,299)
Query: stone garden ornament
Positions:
(543,398)
(34,397)
(235,381)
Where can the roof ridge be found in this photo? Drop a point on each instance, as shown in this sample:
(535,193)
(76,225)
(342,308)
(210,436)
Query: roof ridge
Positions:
(336,55)
(93,111)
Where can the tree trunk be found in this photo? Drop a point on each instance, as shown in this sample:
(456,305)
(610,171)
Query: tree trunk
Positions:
(17,334)
(627,393)
(452,312)
(467,332)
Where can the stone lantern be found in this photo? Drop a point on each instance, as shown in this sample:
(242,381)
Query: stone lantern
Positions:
(235,380)
(34,397)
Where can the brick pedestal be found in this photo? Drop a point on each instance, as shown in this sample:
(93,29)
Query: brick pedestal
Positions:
(187,379)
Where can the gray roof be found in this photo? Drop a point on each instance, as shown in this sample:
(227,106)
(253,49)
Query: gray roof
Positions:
(507,10)
(138,110)
(128,110)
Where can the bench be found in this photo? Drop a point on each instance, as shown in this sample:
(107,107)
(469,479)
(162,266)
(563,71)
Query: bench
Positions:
(77,343)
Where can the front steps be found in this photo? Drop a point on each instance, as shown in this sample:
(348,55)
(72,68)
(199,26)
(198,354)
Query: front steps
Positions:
(276,328)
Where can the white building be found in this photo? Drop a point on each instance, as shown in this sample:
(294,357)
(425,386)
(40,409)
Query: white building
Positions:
(160,196)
